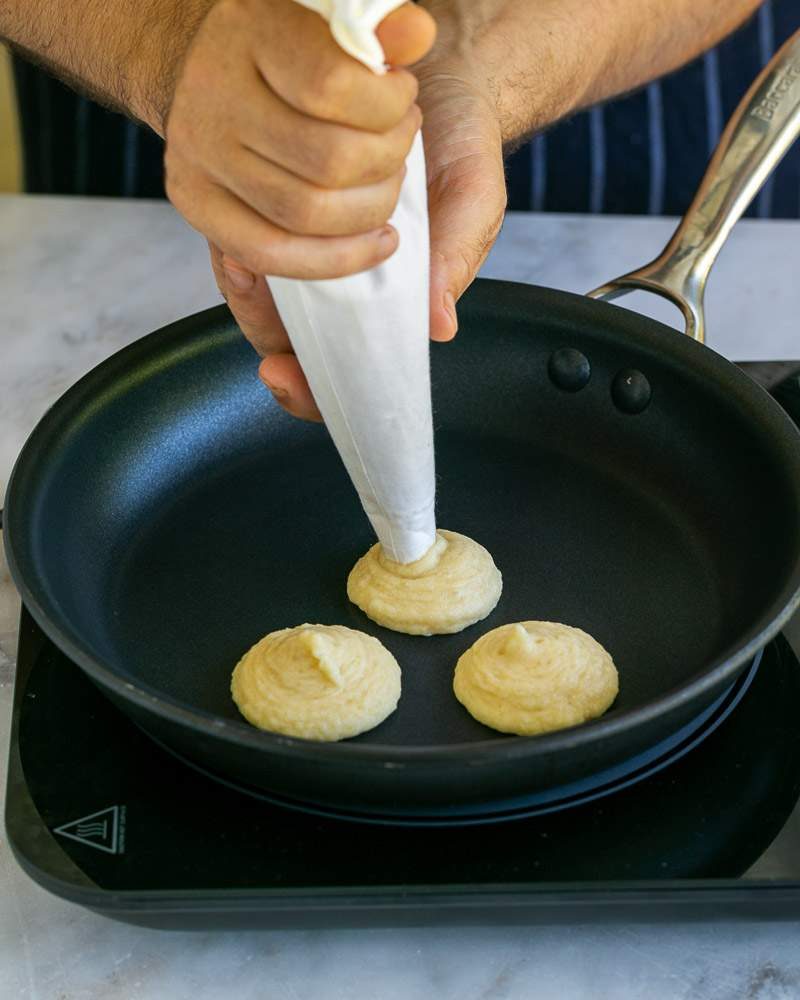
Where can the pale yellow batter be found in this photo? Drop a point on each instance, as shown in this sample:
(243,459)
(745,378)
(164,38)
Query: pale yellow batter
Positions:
(320,682)
(533,677)
(455,584)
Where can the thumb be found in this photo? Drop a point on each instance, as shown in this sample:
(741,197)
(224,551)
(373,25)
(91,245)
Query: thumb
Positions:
(406,34)
(466,206)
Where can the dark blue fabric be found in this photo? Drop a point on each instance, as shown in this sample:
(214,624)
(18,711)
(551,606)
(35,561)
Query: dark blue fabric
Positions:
(73,146)
(656,143)
(644,153)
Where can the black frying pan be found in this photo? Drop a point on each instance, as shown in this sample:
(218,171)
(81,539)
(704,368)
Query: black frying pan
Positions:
(165,514)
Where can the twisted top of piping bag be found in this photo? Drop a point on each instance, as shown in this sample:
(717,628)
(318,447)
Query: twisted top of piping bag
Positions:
(353,24)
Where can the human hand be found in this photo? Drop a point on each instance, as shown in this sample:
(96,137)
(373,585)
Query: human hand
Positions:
(466,189)
(284,151)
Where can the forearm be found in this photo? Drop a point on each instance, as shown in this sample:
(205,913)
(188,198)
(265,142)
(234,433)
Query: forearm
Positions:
(124,53)
(543,59)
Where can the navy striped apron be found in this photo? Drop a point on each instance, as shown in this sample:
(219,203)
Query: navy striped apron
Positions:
(644,153)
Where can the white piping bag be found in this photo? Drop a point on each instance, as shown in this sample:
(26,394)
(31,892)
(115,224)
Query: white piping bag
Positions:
(362,341)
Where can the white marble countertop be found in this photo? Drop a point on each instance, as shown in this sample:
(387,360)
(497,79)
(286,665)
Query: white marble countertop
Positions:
(78,280)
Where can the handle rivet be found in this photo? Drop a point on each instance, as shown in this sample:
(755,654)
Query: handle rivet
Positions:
(631,391)
(569,369)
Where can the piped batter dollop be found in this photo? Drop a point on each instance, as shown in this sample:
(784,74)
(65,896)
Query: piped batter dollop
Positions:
(533,677)
(453,585)
(319,682)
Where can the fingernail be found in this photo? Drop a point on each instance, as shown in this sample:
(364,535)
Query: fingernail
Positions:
(277,390)
(386,237)
(243,280)
(450,309)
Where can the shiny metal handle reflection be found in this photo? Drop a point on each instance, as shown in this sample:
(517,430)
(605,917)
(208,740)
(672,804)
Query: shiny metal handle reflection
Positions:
(762,129)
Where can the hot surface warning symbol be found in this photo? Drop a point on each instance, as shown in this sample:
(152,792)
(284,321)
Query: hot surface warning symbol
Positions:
(103,830)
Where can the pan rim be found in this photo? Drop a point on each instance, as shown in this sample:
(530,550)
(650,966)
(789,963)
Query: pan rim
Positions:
(473,753)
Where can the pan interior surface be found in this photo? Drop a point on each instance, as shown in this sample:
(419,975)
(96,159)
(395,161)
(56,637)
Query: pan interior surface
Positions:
(181,515)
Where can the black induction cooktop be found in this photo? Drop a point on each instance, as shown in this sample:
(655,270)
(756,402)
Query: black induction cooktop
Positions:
(705,826)
(99,814)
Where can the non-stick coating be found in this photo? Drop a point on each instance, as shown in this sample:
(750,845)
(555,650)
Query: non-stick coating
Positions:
(166,514)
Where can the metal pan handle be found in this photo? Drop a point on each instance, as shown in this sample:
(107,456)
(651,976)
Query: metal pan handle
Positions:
(762,129)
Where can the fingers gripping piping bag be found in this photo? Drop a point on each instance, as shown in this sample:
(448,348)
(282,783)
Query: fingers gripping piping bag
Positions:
(362,341)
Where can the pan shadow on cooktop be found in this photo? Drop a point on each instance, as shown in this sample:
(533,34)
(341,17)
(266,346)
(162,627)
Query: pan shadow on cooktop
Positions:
(262,545)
